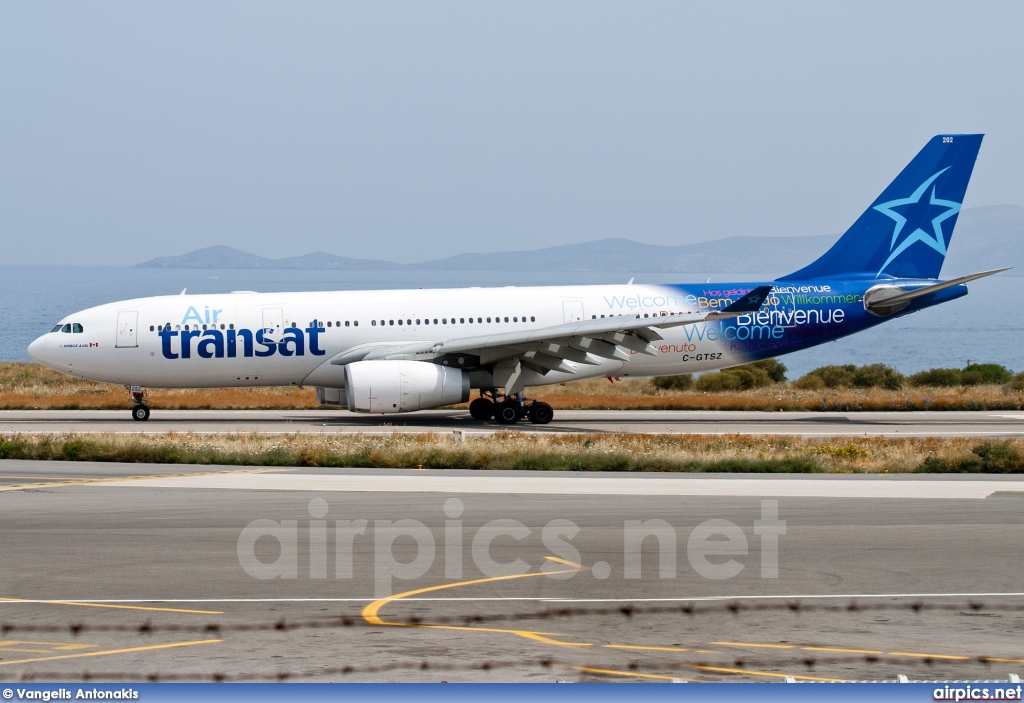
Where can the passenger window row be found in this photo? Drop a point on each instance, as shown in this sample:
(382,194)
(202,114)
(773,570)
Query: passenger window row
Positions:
(347,323)
(594,317)
(167,327)
(320,323)
(452,321)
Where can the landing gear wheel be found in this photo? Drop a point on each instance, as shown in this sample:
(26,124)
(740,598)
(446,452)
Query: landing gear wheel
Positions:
(540,413)
(140,413)
(481,409)
(508,413)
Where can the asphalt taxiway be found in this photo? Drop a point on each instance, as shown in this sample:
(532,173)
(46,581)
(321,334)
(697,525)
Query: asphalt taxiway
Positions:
(186,572)
(980,424)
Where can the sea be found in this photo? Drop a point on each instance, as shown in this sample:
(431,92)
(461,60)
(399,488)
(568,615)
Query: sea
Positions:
(985,326)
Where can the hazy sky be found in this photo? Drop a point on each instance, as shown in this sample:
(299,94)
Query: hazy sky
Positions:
(411,131)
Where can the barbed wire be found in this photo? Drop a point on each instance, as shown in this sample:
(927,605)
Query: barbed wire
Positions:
(280,676)
(795,655)
(733,608)
(639,667)
(627,611)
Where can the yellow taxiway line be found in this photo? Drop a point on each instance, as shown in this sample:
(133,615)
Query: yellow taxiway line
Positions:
(111,605)
(371,613)
(107,652)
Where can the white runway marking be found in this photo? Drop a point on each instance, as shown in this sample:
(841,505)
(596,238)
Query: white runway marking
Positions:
(424,482)
(466,599)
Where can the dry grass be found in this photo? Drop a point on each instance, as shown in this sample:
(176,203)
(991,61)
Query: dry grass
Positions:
(504,450)
(599,394)
(31,386)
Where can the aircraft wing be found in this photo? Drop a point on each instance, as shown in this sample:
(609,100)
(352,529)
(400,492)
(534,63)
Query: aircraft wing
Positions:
(549,348)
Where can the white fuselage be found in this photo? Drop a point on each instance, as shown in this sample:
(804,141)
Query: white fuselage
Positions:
(140,342)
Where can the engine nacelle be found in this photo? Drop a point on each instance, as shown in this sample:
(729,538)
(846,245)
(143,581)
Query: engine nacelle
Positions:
(403,386)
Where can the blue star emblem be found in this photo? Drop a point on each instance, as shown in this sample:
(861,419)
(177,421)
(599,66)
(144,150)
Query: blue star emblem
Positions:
(917,208)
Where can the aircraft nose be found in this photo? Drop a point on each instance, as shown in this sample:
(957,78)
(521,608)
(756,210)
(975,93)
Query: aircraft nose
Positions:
(37,349)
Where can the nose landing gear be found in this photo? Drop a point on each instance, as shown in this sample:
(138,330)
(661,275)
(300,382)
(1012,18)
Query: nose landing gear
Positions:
(141,411)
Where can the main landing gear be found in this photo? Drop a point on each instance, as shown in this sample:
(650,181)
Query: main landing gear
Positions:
(482,409)
(141,411)
(510,409)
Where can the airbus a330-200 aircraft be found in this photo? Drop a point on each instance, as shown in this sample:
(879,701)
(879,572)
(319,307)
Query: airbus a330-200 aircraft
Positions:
(404,350)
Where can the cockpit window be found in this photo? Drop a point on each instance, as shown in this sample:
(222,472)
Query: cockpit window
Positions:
(76,328)
(66,328)
(57,328)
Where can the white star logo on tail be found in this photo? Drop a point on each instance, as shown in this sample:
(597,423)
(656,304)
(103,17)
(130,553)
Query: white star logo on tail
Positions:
(934,239)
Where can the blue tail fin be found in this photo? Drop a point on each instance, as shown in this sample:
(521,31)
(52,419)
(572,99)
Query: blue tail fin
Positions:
(905,232)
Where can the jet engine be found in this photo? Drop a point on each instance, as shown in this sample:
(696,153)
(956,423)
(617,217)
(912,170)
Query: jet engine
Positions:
(403,386)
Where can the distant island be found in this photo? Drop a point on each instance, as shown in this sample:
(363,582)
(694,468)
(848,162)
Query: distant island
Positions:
(986,237)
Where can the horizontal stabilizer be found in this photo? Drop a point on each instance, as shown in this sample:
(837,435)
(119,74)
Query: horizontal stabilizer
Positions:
(907,296)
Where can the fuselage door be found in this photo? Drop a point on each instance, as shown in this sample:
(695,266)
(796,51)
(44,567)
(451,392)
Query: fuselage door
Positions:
(273,322)
(127,329)
(572,310)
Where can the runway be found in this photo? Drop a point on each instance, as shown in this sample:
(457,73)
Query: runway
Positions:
(994,424)
(394,575)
